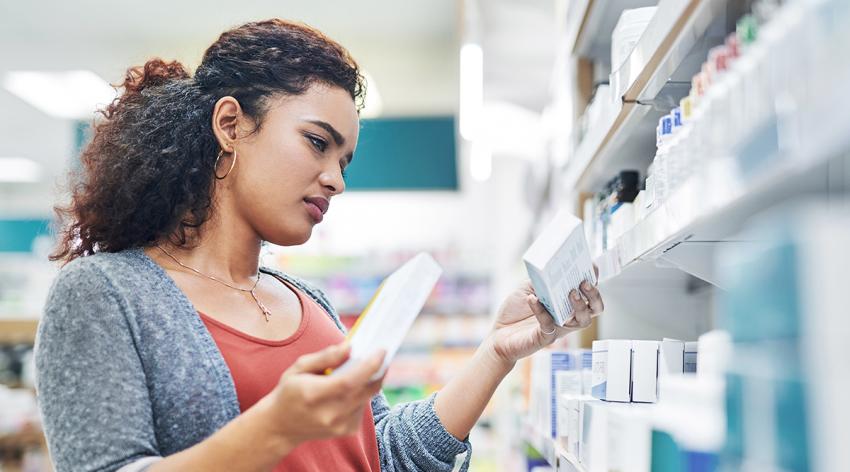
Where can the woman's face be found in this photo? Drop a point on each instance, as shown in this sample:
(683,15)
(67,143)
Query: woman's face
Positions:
(287,173)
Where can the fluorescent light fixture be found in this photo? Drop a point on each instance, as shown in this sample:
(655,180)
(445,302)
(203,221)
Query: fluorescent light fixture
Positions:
(471,90)
(481,161)
(19,169)
(75,94)
(374,105)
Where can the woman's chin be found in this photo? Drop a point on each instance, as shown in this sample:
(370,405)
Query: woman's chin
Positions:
(292,238)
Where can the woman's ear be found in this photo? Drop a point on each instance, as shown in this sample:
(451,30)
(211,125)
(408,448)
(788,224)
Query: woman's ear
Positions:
(225,120)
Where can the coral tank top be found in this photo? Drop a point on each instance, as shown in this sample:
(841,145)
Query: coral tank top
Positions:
(256,366)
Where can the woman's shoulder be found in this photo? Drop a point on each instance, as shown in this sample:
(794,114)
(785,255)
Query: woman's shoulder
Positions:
(104,268)
(104,275)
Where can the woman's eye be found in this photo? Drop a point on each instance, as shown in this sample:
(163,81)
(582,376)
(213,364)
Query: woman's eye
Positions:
(318,143)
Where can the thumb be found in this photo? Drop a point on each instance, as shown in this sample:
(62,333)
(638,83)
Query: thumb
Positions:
(328,358)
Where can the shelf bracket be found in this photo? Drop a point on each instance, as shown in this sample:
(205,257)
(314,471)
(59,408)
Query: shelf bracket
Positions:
(696,258)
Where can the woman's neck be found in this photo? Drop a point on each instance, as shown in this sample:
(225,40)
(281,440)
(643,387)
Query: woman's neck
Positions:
(225,251)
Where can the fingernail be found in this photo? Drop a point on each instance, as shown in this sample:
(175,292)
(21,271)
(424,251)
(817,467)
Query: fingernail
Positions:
(576,296)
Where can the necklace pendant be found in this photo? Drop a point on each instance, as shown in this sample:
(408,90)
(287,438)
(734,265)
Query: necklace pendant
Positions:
(265,310)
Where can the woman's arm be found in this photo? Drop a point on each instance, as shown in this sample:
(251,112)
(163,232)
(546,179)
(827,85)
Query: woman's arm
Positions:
(520,330)
(247,443)
(98,415)
(305,405)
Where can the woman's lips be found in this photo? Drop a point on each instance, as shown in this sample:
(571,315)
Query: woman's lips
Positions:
(316,207)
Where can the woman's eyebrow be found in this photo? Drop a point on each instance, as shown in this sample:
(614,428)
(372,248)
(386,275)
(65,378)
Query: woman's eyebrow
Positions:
(338,139)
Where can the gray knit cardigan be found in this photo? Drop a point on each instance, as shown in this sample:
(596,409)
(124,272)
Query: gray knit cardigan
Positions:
(127,372)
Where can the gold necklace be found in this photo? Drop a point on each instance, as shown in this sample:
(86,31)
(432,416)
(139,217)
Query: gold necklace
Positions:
(260,304)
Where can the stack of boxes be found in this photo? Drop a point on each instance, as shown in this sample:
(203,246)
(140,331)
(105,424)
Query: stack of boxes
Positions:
(628,370)
(597,404)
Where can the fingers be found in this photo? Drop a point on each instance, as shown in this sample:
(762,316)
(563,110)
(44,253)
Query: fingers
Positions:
(596,271)
(360,374)
(594,299)
(328,358)
(581,311)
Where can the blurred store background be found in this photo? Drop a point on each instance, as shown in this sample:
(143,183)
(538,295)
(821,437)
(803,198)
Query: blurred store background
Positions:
(483,118)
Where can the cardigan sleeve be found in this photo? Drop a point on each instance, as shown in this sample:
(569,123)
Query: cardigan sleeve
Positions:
(90,382)
(410,435)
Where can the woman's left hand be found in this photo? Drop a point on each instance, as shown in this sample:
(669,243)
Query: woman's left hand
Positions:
(523,325)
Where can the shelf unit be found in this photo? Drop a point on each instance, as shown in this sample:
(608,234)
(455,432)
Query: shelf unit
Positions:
(708,210)
(649,83)
(659,278)
(551,450)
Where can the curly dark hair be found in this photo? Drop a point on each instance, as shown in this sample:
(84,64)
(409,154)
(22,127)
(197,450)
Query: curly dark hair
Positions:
(148,172)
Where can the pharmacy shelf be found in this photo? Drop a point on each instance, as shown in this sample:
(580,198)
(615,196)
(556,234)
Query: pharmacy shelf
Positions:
(591,22)
(18,330)
(708,211)
(551,450)
(654,77)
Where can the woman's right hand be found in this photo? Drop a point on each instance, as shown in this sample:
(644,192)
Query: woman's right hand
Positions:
(307,404)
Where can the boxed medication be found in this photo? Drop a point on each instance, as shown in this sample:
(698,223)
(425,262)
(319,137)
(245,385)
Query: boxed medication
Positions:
(644,371)
(690,357)
(573,407)
(671,361)
(593,449)
(557,263)
(551,372)
(612,370)
(629,437)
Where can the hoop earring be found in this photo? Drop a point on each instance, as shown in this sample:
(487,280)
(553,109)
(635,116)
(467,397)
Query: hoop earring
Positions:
(215,166)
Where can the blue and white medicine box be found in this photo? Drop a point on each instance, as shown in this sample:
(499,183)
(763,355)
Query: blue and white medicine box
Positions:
(612,370)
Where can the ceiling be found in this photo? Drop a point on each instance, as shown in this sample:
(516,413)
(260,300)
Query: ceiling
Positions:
(410,48)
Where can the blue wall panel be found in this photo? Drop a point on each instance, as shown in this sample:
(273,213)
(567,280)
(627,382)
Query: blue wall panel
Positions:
(405,154)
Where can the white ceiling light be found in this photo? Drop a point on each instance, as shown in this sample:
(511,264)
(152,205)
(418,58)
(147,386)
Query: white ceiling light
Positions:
(471,90)
(374,105)
(19,169)
(72,94)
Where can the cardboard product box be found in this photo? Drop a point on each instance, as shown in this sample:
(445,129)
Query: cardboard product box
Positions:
(573,407)
(629,437)
(690,357)
(593,446)
(562,375)
(644,371)
(586,356)
(671,357)
(557,262)
(612,370)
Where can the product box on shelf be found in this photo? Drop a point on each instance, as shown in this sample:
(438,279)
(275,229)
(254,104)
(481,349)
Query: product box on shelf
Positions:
(690,357)
(644,371)
(612,370)
(594,436)
(671,361)
(629,431)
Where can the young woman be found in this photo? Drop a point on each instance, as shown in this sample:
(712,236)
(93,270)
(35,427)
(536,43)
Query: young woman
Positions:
(164,346)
